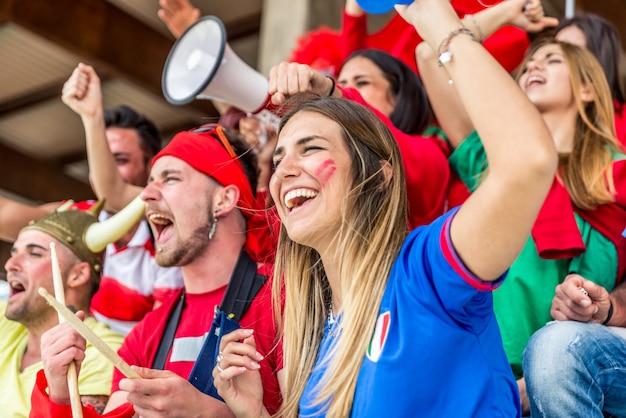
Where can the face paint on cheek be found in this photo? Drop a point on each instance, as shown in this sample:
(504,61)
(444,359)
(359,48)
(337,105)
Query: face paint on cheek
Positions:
(325,171)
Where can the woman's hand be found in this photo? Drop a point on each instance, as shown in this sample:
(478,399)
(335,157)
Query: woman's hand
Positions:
(529,15)
(236,374)
(579,299)
(289,78)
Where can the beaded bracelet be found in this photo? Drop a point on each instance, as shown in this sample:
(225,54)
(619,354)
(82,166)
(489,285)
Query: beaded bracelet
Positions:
(442,52)
(481,35)
(610,314)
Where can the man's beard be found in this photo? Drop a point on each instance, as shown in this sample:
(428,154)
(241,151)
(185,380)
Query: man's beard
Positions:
(28,313)
(189,250)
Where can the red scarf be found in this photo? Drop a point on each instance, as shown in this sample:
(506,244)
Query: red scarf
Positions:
(556,233)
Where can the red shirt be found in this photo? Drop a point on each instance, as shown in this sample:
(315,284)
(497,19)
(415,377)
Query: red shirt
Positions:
(141,345)
(426,169)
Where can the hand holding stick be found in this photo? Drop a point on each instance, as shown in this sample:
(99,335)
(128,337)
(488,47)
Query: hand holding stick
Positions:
(89,335)
(72,376)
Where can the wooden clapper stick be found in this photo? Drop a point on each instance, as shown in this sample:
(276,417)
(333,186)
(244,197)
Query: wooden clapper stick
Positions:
(65,315)
(72,376)
(90,336)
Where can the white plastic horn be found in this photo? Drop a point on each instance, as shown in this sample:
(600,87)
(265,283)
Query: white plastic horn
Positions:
(201,65)
(100,234)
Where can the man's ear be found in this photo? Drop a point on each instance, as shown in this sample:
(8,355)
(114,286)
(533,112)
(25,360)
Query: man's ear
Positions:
(78,275)
(387,170)
(225,199)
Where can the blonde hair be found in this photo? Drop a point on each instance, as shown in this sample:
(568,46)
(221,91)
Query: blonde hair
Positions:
(373,228)
(586,170)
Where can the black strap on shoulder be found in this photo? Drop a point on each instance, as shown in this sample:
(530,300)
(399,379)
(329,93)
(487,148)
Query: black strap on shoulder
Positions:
(243,286)
(241,290)
(168,335)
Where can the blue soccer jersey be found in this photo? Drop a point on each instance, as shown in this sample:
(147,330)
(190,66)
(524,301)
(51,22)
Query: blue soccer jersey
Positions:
(436,350)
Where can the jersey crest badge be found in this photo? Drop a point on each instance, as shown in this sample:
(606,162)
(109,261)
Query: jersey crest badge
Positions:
(381,331)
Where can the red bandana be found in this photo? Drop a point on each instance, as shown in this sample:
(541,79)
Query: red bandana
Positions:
(205,152)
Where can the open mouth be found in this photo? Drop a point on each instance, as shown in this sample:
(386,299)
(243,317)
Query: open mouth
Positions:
(535,80)
(160,223)
(16,287)
(297,197)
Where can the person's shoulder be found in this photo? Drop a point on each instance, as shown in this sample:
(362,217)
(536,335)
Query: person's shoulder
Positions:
(436,227)
(263,298)
(154,321)
(164,309)
(261,308)
(428,245)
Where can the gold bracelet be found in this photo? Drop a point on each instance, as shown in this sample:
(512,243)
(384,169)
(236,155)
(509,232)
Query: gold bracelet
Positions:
(443,52)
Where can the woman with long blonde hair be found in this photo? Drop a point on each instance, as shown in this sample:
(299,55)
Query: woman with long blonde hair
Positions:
(579,227)
(377,322)
(600,37)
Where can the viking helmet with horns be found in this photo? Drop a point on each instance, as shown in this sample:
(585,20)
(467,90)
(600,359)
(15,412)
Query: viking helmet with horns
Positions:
(81,232)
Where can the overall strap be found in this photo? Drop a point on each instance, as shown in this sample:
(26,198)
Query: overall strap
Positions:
(242,288)
(168,334)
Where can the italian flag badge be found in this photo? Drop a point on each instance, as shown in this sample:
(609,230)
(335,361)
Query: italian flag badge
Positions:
(381,331)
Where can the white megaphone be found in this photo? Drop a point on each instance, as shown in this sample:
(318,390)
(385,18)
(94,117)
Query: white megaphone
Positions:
(201,65)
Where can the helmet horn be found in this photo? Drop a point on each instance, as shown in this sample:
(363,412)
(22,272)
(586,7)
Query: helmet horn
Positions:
(99,234)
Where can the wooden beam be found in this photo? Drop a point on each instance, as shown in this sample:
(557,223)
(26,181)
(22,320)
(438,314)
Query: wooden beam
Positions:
(41,95)
(38,180)
(100,32)
(70,158)
(32,98)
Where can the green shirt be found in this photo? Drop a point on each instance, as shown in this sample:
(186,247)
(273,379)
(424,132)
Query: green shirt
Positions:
(522,303)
